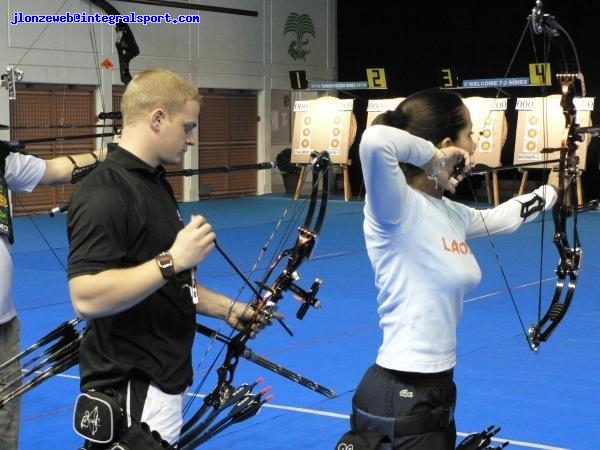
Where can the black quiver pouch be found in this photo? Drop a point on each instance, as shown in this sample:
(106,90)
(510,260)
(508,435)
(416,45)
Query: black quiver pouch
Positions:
(98,417)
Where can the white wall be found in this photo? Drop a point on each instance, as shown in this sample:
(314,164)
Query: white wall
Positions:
(223,51)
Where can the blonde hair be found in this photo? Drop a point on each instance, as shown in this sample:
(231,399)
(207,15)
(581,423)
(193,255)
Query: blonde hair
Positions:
(155,88)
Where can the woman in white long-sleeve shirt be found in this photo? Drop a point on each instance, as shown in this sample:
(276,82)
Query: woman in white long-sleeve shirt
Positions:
(417,243)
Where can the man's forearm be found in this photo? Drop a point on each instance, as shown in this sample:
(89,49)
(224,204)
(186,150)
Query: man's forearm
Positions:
(211,303)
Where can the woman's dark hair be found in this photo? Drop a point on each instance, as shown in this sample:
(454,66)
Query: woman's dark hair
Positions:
(432,114)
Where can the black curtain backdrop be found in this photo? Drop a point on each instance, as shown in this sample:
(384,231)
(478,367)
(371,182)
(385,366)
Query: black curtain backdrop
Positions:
(479,39)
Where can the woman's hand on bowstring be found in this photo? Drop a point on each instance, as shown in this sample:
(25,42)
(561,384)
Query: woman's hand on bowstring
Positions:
(448,167)
(243,317)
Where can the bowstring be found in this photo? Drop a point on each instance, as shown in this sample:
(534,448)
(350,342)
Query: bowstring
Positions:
(96,53)
(495,251)
(545,57)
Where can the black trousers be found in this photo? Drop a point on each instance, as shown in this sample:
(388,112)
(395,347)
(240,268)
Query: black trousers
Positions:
(415,400)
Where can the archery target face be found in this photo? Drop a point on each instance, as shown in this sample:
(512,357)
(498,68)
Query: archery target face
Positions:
(541,124)
(326,123)
(305,136)
(532,133)
(484,143)
(335,135)
(530,137)
(489,128)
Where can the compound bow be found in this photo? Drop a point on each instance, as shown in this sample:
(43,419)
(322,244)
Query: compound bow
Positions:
(570,255)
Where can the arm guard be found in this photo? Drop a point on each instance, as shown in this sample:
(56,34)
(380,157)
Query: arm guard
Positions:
(532,206)
(80,172)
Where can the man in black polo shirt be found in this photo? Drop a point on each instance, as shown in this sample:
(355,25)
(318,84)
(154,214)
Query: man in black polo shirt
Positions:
(131,259)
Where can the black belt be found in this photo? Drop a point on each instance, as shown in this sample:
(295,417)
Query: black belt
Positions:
(424,422)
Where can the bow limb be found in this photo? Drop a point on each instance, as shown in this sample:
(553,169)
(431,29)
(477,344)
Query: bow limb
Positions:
(126,45)
(127,49)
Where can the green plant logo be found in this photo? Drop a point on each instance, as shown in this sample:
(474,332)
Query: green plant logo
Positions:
(301,25)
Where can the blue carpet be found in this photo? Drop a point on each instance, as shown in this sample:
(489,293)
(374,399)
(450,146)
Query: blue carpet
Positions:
(544,400)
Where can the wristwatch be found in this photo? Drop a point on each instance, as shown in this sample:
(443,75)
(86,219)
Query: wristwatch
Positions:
(165,264)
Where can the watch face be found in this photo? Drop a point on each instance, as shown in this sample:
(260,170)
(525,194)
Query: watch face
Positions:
(164,261)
